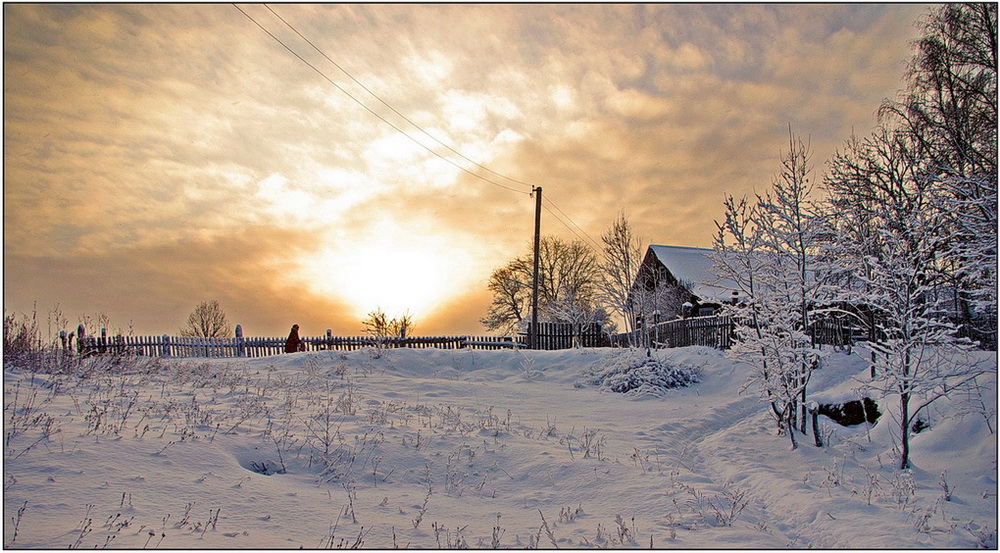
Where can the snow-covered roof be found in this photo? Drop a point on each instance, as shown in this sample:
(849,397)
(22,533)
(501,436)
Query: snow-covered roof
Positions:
(694,267)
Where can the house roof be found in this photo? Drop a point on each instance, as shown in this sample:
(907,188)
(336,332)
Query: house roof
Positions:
(694,268)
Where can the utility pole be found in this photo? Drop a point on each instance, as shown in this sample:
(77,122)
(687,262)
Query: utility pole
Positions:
(533,334)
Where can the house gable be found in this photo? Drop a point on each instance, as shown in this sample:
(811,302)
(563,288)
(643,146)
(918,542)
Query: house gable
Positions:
(679,275)
(694,268)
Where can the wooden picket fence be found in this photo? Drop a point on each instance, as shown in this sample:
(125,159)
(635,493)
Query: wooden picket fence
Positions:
(551,336)
(712,331)
(187,346)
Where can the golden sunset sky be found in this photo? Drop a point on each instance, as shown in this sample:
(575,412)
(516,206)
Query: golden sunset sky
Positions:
(156,155)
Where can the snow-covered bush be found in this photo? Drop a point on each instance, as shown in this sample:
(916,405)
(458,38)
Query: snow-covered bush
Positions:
(636,373)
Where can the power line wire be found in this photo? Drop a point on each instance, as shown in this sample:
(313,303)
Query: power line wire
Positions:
(597,247)
(415,125)
(386,104)
(369,110)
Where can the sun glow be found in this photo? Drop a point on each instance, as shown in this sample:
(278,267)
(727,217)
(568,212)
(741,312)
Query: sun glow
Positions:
(393,269)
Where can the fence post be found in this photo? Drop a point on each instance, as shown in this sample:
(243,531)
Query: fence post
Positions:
(165,347)
(81,334)
(241,348)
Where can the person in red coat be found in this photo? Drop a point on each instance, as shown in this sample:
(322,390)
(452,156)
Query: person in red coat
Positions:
(294,343)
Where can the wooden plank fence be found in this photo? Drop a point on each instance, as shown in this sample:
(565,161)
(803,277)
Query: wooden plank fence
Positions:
(832,332)
(712,331)
(715,332)
(553,336)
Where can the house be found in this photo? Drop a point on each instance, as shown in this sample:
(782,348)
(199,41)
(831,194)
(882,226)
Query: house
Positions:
(677,281)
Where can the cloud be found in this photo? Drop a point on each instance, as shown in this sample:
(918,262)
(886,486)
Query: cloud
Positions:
(144,134)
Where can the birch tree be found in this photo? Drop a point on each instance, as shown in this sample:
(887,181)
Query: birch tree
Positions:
(949,111)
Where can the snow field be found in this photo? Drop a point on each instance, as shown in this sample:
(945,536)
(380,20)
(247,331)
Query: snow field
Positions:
(446,448)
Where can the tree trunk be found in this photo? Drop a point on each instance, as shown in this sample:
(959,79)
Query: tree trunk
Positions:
(804,412)
(790,424)
(777,412)
(792,414)
(814,412)
(904,430)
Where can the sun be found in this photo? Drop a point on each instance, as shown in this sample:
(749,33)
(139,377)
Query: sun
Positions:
(391,269)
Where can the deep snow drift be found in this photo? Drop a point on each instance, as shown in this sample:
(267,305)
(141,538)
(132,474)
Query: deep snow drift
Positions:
(456,448)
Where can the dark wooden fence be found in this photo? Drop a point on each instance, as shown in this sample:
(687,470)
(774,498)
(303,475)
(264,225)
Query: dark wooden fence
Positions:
(718,332)
(833,332)
(568,335)
(712,331)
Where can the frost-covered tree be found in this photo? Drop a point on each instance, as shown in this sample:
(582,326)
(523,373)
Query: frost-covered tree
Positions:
(654,294)
(793,228)
(769,250)
(949,112)
(891,238)
(208,320)
(581,314)
(915,214)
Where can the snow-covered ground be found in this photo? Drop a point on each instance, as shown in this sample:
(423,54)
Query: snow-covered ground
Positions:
(438,448)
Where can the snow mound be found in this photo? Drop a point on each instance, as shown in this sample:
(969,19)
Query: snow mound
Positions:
(635,373)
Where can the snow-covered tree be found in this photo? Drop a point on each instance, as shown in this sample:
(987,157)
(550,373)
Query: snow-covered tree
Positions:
(892,238)
(916,214)
(654,294)
(581,314)
(949,111)
(769,250)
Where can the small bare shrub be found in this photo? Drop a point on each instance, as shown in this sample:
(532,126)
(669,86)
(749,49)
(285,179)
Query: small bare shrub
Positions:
(498,533)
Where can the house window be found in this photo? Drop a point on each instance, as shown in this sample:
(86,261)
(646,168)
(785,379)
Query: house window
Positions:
(706,311)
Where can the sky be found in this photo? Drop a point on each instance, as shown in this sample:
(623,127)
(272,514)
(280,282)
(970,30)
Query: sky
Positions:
(382,156)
